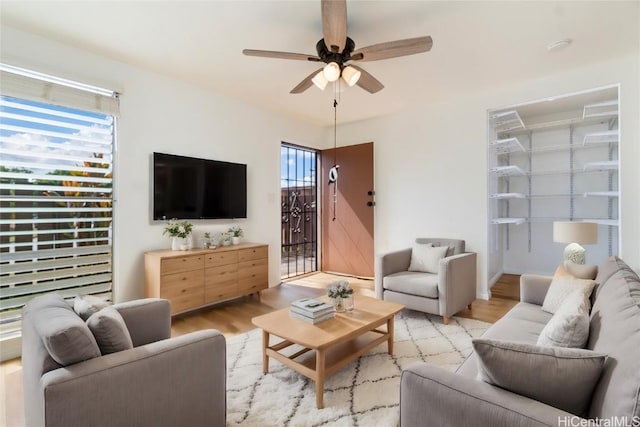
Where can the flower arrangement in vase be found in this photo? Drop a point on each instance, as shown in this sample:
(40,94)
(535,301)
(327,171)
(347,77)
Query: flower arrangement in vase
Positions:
(180,233)
(236,233)
(341,295)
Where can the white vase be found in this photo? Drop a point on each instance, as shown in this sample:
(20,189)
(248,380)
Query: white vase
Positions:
(181,243)
(235,240)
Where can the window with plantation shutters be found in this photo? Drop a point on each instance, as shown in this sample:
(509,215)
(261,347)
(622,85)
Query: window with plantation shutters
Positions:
(56,191)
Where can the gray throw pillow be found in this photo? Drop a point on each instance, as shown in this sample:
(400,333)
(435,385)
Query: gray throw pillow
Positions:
(65,336)
(110,331)
(426,257)
(569,326)
(560,377)
(86,305)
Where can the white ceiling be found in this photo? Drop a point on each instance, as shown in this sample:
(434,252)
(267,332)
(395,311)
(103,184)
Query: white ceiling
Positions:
(477,44)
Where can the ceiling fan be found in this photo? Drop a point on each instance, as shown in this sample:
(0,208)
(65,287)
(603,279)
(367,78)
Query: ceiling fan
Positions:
(336,50)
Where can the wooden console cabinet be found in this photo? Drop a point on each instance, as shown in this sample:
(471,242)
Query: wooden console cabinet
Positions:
(192,279)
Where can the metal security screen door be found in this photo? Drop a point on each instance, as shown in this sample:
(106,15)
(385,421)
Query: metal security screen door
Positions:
(298,195)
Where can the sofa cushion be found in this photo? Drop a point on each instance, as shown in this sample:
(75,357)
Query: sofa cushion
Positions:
(523,323)
(110,331)
(561,377)
(412,282)
(561,286)
(426,258)
(86,305)
(64,334)
(615,329)
(606,270)
(569,326)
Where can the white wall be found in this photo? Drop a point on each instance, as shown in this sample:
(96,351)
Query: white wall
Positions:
(431,162)
(166,115)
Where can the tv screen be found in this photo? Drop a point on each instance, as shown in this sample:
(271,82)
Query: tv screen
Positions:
(192,188)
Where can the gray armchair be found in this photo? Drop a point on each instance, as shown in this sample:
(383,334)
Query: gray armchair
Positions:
(450,290)
(161,381)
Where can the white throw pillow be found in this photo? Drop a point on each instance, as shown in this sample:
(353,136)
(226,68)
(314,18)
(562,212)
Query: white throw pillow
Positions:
(569,326)
(426,257)
(560,288)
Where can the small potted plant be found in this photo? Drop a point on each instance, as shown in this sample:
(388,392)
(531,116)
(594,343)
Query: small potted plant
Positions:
(207,240)
(341,295)
(180,233)
(236,233)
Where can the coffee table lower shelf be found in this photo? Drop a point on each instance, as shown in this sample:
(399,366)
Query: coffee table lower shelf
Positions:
(317,364)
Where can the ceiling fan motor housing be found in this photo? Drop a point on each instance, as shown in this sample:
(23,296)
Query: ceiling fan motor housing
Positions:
(340,58)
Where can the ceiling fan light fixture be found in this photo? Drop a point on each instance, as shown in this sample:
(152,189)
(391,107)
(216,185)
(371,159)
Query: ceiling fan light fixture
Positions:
(331,71)
(351,75)
(320,80)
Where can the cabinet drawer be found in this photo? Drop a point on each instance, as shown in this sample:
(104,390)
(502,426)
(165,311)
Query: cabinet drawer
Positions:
(221,258)
(184,263)
(253,276)
(250,268)
(220,292)
(224,274)
(254,283)
(253,253)
(177,284)
(187,302)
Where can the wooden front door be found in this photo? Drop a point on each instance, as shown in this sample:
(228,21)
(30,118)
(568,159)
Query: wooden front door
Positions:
(347,225)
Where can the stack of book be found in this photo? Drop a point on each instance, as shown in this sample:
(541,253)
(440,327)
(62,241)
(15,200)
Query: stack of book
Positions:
(312,310)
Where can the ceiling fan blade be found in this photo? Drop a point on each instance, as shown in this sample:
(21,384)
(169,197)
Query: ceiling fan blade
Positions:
(281,55)
(393,49)
(334,24)
(367,81)
(306,83)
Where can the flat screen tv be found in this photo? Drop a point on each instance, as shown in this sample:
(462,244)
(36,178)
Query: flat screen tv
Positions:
(192,188)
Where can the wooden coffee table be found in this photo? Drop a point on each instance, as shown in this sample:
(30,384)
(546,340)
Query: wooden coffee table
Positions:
(336,342)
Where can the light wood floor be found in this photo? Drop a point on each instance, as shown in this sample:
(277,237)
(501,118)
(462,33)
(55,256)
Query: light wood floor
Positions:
(234,317)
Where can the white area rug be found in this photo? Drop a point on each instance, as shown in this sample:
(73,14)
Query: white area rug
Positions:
(364,393)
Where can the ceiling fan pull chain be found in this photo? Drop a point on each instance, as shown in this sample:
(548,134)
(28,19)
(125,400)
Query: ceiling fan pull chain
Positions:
(333,173)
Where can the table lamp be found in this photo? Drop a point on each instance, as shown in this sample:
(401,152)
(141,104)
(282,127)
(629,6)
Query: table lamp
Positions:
(575,233)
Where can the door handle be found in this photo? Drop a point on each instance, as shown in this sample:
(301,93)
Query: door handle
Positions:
(370,203)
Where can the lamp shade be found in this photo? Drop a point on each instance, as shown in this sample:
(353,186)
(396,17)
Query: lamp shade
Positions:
(584,233)
(351,75)
(319,80)
(332,71)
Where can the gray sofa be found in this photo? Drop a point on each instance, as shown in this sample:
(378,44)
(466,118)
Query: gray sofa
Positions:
(452,289)
(458,399)
(161,381)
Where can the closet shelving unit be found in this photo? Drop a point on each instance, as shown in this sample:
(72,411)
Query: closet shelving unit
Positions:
(599,110)
(504,122)
(514,143)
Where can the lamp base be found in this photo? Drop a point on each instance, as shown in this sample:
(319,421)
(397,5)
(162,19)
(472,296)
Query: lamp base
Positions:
(575,253)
